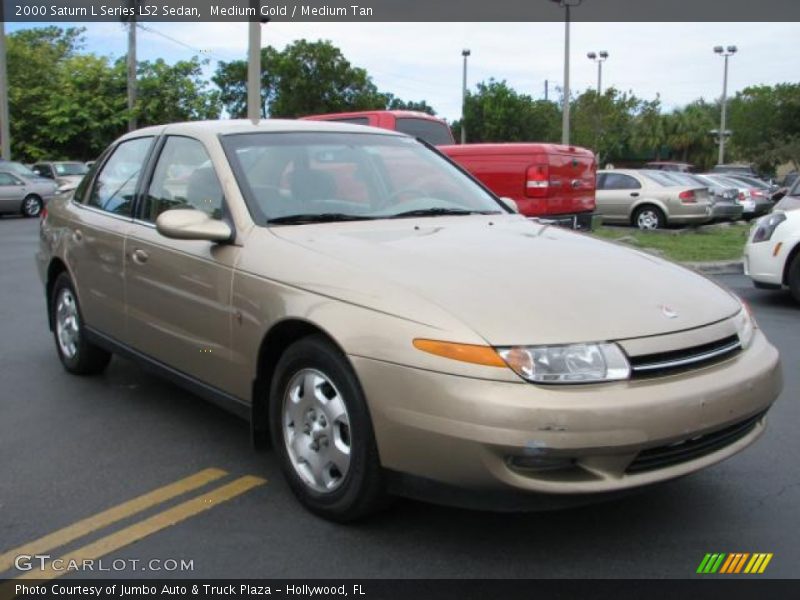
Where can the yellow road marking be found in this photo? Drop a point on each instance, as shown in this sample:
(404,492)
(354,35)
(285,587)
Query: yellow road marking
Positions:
(112,515)
(149,526)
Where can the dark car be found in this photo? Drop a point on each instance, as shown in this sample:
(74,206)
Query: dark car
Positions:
(747,170)
(725,205)
(761,187)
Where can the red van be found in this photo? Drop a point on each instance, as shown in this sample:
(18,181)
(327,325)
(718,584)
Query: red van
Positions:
(551,182)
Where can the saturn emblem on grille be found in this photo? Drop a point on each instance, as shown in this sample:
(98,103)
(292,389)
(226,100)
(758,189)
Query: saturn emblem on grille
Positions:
(668,312)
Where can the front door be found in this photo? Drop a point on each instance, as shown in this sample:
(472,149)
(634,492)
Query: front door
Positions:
(179,291)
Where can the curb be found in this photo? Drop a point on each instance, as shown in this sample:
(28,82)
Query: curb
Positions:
(734,267)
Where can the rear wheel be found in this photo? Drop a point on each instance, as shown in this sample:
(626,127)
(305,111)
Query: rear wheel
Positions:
(794,277)
(649,217)
(323,432)
(77,354)
(32,205)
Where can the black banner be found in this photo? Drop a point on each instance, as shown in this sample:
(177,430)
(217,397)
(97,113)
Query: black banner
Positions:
(401,10)
(730,588)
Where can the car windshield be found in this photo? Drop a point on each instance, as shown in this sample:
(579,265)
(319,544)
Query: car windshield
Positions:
(662,178)
(306,177)
(18,168)
(70,168)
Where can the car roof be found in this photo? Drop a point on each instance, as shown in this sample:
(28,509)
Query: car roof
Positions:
(232,126)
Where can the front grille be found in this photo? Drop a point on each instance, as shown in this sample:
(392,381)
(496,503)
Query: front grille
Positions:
(667,363)
(686,450)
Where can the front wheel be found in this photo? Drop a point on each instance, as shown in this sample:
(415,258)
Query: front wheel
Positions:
(794,278)
(32,206)
(648,218)
(77,354)
(323,434)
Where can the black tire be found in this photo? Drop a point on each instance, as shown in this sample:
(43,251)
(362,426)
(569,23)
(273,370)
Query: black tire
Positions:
(31,206)
(361,490)
(87,358)
(649,214)
(793,277)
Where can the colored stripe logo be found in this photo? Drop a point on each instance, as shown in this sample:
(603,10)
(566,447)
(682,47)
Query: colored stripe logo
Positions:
(734,563)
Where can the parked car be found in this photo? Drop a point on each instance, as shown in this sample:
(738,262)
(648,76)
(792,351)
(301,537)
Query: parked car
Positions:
(754,204)
(20,170)
(772,252)
(392,323)
(650,199)
(735,169)
(666,165)
(62,172)
(760,187)
(22,196)
(725,205)
(546,181)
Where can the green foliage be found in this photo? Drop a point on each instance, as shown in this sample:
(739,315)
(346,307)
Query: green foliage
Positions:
(497,113)
(65,104)
(305,78)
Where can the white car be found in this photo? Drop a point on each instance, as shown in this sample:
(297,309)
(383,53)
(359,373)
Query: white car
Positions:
(772,253)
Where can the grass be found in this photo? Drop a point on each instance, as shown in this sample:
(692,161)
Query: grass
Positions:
(709,243)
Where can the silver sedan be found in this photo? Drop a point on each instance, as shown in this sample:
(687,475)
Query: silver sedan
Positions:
(24,196)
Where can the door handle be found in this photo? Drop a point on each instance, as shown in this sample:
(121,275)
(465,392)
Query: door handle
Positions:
(634,194)
(77,235)
(140,256)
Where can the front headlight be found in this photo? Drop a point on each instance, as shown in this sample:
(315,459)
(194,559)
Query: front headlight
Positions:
(766,227)
(573,363)
(745,326)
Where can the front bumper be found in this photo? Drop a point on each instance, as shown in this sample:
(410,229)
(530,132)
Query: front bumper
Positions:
(762,264)
(464,432)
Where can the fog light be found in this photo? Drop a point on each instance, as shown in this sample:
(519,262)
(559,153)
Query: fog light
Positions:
(540,463)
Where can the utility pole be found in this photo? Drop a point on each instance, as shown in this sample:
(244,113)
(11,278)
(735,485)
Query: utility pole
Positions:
(546,89)
(567,5)
(131,73)
(465,53)
(5,139)
(723,133)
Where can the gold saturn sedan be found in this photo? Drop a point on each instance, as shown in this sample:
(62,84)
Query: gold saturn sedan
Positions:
(393,327)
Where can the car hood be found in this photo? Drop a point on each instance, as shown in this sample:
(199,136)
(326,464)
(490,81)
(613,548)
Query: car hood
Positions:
(509,279)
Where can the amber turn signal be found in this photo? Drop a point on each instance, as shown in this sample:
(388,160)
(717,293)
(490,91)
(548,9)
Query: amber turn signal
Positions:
(479,355)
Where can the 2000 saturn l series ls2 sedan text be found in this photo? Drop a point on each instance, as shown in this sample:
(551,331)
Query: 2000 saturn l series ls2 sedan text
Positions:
(392,324)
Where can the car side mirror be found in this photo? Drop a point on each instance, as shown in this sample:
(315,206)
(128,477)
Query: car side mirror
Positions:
(192,224)
(509,203)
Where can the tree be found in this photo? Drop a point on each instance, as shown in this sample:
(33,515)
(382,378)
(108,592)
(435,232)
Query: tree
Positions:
(169,93)
(305,78)
(394,103)
(497,113)
(604,123)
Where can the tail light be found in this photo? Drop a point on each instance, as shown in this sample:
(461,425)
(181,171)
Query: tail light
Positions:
(758,193)
(742,197)
(537,181)
(688,197)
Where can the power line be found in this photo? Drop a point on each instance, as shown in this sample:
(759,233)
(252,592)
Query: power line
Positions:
(180,43)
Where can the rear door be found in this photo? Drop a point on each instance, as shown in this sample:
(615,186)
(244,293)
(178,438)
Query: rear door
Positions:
(616,194)
(97,244)
(11,193)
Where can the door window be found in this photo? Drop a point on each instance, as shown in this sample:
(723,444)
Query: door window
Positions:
(115,186)
(8,179)
(618,181)
(183,178)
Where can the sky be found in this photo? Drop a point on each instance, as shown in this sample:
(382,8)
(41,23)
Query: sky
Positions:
(422,61)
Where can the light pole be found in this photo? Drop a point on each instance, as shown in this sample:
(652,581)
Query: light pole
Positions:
(465,53)
(567,4)
(599,58)
(723,133)
(5,141)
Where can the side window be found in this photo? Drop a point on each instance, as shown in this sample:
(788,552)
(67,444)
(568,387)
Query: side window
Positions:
(601,181)
(6,179)
(617,181)
(115,185)
(183,178)
(42,170)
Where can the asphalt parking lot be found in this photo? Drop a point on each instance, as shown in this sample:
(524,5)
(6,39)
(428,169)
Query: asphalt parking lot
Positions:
(71,448)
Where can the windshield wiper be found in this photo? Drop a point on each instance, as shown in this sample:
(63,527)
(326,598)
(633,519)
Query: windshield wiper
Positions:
(436,212)
(315,218)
